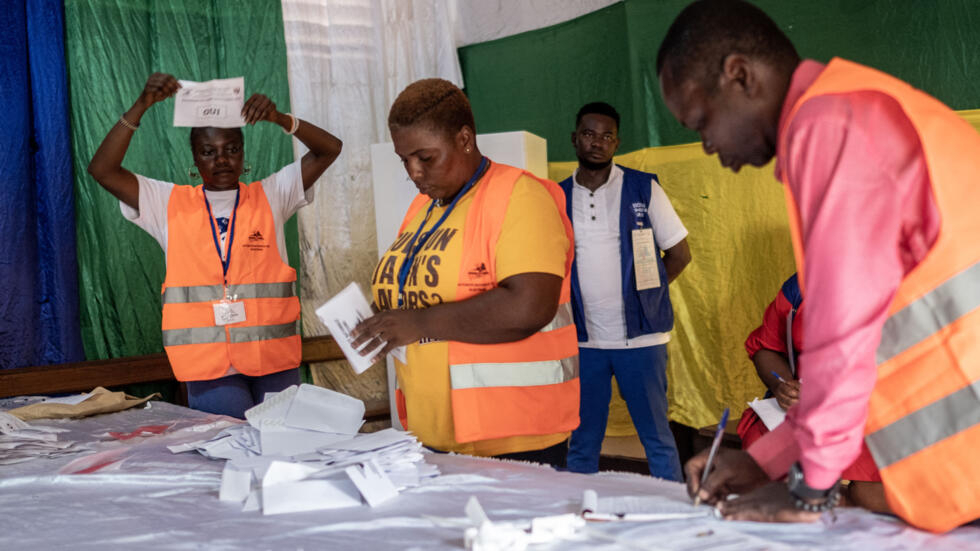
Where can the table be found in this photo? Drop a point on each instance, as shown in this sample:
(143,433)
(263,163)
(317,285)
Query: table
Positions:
(157,500)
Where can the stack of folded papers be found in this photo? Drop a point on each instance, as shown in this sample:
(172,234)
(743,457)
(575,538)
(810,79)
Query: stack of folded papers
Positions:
(21,441)
(300,451)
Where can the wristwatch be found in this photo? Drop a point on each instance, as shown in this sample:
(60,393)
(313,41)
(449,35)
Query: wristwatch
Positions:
(804,496)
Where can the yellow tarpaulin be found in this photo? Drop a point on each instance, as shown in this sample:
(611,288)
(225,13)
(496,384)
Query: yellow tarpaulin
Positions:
(741,254)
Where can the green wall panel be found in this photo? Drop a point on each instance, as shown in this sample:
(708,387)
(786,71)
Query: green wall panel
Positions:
(537,80)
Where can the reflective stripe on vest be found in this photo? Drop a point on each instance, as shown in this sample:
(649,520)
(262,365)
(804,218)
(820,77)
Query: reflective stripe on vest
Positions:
(547,372)
(194,335)
(942,306)
(211,293)
(216,334)
(262,332)
(914,323)
(486,375)
(925,427)
(563,318)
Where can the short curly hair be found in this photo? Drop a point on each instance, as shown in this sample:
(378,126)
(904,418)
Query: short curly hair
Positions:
(597,108)
(434,103)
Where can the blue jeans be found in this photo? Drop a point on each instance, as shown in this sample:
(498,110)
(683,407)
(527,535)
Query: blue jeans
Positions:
(233,394)
(641,374)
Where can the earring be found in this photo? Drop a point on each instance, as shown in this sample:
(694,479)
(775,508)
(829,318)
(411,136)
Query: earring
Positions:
(247,169)
(192,173)
(468,150)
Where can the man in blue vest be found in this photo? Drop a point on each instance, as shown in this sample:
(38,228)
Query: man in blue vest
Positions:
(622,221)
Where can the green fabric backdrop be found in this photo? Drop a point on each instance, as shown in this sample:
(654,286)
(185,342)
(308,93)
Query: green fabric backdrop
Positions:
(113,46)
(536,81)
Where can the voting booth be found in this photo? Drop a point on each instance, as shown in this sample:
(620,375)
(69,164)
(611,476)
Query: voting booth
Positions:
(394,191)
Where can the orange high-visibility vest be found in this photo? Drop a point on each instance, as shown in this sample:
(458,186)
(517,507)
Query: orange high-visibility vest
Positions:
(923,424)
(268,340)
(517,388)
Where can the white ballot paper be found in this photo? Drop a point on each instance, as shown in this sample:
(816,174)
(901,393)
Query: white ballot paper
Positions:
(341,314)
(372,482)
(302,418)
(236,483)
(215,103)
(70,400)
(321,409)
(284,490)
(640,508)
(769,411)
(486,535)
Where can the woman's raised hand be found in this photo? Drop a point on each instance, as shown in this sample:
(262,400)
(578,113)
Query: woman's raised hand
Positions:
(259,108)
(159,87)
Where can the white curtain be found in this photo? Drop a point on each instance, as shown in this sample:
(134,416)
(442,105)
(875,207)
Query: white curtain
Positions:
(348,60)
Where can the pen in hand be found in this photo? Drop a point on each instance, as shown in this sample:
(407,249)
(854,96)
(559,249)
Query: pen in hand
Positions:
(780,379)
(711,454)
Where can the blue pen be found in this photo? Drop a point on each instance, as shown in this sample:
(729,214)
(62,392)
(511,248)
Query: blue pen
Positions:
(780,379)
(711,454)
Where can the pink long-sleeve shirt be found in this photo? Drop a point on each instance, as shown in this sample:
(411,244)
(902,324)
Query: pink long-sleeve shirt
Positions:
(855,167)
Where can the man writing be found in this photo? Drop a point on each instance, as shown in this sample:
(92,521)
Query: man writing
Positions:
(881,180)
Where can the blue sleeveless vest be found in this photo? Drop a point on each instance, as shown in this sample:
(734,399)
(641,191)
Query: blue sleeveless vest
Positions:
(647,311)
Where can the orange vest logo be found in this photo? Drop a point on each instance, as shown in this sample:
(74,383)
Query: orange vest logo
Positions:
(256,242)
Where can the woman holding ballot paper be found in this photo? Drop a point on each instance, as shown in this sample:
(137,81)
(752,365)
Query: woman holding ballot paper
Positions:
(229,303)
(476,285)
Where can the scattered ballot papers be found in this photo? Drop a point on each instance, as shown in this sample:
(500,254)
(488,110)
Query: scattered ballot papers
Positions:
(215,103)
(341,314)
(300,451)
(21,441)
(485,535)
(640,508)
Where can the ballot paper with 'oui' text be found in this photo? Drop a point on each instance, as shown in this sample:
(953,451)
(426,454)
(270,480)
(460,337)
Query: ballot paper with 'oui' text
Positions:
(215,103)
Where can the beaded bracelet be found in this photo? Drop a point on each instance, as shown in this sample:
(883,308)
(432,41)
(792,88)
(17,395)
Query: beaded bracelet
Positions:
(833,499)
(127,124)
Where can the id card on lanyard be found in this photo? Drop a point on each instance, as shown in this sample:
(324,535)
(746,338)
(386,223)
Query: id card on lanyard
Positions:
(228,310)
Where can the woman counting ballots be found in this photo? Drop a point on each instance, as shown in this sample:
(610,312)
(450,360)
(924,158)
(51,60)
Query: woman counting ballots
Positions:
(229,303)
(476,285)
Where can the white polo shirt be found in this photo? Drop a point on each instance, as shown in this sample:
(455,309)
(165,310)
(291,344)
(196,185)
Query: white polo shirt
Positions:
(595,217)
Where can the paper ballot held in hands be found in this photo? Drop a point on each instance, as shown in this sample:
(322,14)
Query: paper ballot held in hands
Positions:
(769,411)
(215,103)
(341,314)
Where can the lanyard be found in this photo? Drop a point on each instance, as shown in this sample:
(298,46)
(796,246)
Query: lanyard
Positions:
(416,244)
(226,261)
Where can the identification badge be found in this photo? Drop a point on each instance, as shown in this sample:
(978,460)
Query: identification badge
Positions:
(227,312)
(645,261)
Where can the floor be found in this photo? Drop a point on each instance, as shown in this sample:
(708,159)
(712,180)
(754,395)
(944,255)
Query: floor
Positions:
(623,446)
(625,453)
